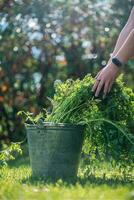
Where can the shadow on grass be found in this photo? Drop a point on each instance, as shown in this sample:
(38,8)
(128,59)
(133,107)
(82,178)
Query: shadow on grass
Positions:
(82,180)
(89,180)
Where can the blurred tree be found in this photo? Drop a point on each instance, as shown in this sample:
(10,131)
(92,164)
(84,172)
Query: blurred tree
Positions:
(42,41)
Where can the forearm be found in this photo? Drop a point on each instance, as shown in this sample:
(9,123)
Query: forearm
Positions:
(127,50)
(124,33)
(107,76)
(124,50)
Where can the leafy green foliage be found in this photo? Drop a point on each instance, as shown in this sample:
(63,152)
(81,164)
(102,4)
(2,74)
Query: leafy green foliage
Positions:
(29,118)
(109,122)
(8,153)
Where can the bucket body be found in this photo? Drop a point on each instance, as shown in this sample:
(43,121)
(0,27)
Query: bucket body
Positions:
(55,149)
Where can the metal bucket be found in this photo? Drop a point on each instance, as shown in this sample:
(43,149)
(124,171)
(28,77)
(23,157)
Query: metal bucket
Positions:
(55,149)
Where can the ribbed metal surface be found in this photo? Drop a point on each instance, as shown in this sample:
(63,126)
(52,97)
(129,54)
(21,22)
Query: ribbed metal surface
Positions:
(54,149)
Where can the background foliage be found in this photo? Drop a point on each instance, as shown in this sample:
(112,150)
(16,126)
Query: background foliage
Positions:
(42,41)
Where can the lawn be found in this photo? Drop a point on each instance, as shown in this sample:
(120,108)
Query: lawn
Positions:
(96,182)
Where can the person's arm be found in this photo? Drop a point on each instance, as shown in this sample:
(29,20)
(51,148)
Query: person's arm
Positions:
(122,37)
(124,33)
(127,50)
(109,73)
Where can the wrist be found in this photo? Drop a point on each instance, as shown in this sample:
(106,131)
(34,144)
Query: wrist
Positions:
(118,62)
(113,67)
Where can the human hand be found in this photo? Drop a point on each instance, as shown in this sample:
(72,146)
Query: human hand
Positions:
(105,79)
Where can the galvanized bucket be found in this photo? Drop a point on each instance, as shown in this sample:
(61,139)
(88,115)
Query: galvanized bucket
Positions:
(55,149)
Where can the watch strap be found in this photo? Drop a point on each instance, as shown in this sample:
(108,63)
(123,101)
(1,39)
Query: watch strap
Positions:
(117,62)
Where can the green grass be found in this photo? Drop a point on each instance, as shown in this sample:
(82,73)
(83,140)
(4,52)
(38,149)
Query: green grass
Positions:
(98,182)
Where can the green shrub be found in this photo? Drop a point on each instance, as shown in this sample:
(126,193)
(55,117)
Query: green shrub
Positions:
(9,152)
(109,122)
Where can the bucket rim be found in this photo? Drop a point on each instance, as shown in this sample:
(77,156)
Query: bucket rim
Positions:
(53,124)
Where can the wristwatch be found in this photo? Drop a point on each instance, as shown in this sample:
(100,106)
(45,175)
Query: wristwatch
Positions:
(117,62)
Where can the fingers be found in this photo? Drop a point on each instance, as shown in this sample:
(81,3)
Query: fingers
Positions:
(106,89)
(105,78)
(99,87)
(97,82)
(95,86)
(110,86)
